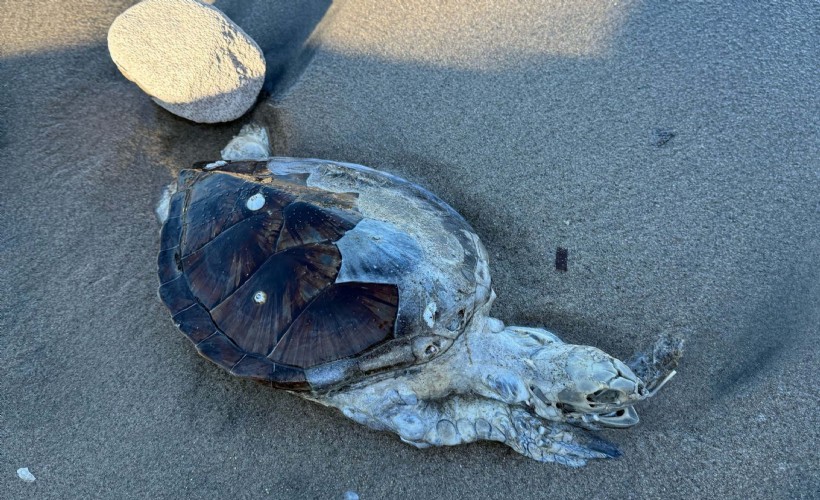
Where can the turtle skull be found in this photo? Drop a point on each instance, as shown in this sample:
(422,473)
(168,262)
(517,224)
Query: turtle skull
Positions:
(584,386)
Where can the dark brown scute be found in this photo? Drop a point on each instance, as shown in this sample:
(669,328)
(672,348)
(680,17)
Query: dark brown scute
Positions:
(223,264)
(176,295)
(219,349)
(216,254)
(169,265)
(218,201)
(195,322)
(289,377)
(255,367)
(289,280)
(306,223)
(346,319)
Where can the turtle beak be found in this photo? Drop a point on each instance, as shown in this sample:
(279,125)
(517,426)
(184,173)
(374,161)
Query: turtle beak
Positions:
(618,419)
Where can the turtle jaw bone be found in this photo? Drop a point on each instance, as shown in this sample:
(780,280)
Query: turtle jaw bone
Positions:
(621,418)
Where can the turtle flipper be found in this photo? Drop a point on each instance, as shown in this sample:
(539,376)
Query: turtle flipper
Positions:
(443,422)
(547,441)
(461,419)
(250,144)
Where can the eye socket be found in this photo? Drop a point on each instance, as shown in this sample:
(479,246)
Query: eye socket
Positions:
(605,396)
(540,395)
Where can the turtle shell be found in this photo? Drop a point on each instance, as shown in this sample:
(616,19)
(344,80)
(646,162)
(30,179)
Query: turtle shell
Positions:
(310,274)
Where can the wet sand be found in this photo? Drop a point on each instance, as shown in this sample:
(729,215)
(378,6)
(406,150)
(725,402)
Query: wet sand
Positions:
(673,150)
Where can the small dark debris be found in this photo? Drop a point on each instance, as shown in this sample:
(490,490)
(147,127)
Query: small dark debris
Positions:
(661,136)
(561,255)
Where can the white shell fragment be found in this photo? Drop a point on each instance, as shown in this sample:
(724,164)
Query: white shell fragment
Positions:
(430,314)
(165,202)
(188,56)
(260,297)
(251,144)
(26,475)
(255,202)
(215,164)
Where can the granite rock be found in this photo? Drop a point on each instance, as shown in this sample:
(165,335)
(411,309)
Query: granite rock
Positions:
(188,56)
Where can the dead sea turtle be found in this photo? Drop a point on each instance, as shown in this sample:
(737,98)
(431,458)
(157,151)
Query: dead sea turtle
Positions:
(362,291)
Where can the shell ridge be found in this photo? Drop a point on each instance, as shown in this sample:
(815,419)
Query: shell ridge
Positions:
(245,355)
(252,218)
(206,338)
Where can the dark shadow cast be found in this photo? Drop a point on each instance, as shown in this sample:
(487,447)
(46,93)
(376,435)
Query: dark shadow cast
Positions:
(780,324)
(282,30)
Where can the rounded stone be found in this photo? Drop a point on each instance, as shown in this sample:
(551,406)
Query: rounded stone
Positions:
(188,56)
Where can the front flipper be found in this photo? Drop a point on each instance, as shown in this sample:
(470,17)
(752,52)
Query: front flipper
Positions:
(547,441)
(468,418)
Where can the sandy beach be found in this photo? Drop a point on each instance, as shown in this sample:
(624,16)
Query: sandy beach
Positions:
(673,150)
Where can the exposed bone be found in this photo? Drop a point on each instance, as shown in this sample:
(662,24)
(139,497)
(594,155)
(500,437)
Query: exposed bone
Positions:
(485,387)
